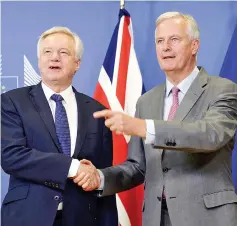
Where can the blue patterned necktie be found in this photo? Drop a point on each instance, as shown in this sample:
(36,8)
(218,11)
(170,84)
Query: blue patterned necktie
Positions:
(61,124)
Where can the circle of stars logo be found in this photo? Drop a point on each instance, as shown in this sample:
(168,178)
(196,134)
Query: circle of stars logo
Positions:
(3,89)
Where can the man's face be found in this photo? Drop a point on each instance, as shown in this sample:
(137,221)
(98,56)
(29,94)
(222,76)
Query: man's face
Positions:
(175,51)
(57,59)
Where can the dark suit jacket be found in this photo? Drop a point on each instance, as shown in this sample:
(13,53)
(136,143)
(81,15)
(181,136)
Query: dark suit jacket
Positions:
(38,170)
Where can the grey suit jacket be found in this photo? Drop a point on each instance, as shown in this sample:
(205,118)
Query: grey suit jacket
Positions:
(196,164)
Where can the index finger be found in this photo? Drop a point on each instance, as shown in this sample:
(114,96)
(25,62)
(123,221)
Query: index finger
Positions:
(103,114)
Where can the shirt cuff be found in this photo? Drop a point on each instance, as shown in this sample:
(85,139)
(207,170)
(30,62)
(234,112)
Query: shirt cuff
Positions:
(102,180)
(73,168)
(150,132)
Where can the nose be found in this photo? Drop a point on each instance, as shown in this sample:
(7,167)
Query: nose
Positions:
(166,46)
(55,56)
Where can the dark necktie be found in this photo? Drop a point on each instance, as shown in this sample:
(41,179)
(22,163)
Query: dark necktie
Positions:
(61,124)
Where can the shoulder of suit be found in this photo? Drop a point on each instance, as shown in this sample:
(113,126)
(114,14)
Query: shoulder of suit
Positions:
(218,83)
(89,99)
(18,91)
(152,93)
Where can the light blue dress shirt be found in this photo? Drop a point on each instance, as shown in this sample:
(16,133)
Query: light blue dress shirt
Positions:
(183,87)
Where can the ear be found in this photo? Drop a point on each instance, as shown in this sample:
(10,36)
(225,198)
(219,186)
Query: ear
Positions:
(195,46)
(78,63)
(38,63)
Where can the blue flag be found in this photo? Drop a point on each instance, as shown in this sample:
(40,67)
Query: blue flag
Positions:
(229,70)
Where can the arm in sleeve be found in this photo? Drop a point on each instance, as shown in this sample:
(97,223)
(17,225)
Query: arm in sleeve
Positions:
(23,162)
(209,134)
(130,173)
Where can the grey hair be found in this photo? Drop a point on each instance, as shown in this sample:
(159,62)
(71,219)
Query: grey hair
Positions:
(192,27)
(79,49)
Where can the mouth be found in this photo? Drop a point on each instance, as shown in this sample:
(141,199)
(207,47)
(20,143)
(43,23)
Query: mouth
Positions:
(56,68)
(168,57)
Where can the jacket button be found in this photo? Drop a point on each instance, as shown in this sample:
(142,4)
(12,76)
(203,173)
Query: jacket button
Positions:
(168,143)
(56,197)
(165,169)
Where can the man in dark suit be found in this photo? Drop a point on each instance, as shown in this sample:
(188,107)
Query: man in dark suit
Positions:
(46,130)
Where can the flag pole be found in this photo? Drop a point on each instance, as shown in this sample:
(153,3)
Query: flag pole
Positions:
(122,4)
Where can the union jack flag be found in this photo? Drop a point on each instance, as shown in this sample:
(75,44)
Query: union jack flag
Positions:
(119,87)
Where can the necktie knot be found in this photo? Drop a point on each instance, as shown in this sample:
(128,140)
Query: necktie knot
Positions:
(57,97)
(175,91)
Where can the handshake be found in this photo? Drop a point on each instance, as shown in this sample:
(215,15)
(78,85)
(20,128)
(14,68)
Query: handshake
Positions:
(87,176)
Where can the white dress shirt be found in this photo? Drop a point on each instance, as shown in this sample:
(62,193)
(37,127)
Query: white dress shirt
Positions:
(168,101)
(70,104)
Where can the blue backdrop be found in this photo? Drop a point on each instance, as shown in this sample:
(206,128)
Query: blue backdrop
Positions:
(23,22)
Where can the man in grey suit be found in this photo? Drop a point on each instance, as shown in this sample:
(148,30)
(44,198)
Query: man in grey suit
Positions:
(182,137)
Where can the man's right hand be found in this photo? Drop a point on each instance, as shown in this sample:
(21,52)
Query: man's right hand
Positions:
(87,176)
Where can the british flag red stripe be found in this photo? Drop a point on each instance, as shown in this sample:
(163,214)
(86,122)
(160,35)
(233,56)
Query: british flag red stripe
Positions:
(118,88)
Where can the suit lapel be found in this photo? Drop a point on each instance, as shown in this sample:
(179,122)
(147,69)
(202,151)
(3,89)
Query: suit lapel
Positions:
(158,103)
(157,108)
(193,94)
(41,105)
(83,121)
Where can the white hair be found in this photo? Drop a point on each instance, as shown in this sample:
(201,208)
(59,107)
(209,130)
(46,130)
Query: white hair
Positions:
(63,30)
(192,27)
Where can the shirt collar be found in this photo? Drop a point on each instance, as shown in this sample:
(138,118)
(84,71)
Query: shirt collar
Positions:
(183,85)
(66,94)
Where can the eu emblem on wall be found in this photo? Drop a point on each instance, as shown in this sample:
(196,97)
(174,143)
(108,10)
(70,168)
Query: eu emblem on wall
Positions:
(7,82)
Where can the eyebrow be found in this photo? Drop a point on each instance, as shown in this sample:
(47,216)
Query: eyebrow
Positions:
(175,36)
(171,36)
(64,49)
(59,49)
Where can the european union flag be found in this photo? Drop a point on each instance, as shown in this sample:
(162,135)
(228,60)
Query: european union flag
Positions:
(8,83)
(229,70)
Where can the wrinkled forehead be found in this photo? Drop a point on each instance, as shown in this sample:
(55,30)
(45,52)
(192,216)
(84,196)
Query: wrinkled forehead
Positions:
(60,40)
(171,26)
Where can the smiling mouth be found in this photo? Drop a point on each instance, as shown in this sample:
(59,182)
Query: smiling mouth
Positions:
(168,57)
(54,67)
